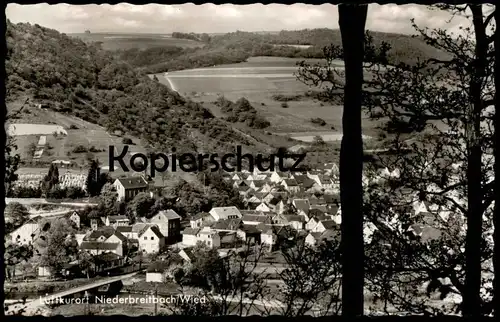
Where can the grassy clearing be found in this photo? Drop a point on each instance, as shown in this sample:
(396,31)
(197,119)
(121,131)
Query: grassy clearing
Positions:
(128,41)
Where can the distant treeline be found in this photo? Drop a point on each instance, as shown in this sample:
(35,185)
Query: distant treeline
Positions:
(238,46)
(197,37)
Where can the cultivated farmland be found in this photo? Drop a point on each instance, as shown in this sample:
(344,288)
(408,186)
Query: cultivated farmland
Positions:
(129,41)
(258,80)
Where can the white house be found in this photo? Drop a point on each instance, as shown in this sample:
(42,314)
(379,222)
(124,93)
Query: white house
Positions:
(263,207)
(324,225)
(189,236)
(116,221)
(209,237)
(220,213)
(151,240)
(169,223)
(25,234)
(295,221)
(128,188)
(75,218)
(200,220)
(290,185)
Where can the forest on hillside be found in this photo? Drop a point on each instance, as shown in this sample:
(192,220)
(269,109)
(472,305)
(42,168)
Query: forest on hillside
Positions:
(84,81)
(238,46)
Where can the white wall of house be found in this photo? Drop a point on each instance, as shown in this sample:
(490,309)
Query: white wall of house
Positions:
(76,219)
(310,240)
(155,277)
(263,207)
(189,240)
(268,239)
(319,228)
(297,225)
(150,243)
(119,189)
(22,235)
(311,224)
(212,240)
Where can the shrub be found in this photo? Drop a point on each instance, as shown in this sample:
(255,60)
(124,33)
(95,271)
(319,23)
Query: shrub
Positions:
(80,149)
(318,121)
(127,141)
(73,127)
(284,105)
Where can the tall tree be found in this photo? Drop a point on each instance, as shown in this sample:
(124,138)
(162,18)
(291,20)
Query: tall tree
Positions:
(15,216)
(92,183)
(496,153)
(352,19)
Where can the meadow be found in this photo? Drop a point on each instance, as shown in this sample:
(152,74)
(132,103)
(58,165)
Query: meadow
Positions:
(128,41)
(259,79)
(34,123)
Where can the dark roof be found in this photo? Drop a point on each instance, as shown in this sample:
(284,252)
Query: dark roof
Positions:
(124,229)
(105,231)
(332,209)
(227,224)
(158,267)
(200,215)
(329,224)
(259,183)
(166,215)
(300,178)
(226,237)
(190,231)
(315,212)
(116,218)
(133,182)
(294,218)
(250,229)
(331,199)
(156,230)
(301,204)
(291,182)
(106,257)
(321,208)
(255,218)
(98,245)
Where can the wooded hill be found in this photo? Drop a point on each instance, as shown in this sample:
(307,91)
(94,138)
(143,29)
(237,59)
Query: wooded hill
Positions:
(84,81)
(238,46)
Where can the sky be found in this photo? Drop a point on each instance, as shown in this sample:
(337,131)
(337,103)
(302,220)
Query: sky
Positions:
(210,18)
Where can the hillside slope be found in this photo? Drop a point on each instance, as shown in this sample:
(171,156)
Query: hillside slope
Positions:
(238,46)
(82,80)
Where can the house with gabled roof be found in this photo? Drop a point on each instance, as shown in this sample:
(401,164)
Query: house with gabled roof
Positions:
(151,240)
(227,225)
(101,247)
(27,233)
(220,213)
(314,220)
(295,221)
(249,233)
(128,188)
(116,221)
(189,236)
(74,217)
(169,223)
(301,205)
(201,219)
(264,207)
(322,208)
(316,238)
(324,225)
(209,237)
(290,185)
(254,218)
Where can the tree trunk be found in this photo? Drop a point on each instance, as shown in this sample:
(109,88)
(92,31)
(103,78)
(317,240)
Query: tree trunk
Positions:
(352,19)
(496,188)
(472,298)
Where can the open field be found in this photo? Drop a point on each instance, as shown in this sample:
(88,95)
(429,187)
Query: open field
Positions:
(34,123)
(111,41)
(258,79)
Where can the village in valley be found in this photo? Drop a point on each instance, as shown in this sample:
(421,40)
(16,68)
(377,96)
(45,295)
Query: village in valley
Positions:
(282,210)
